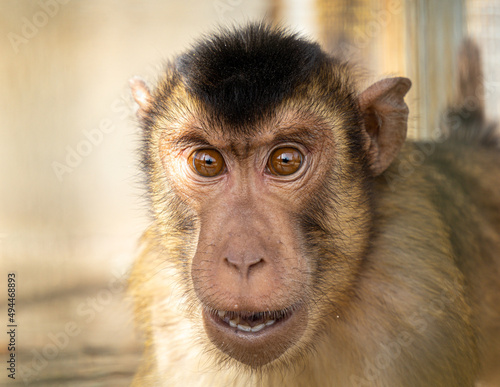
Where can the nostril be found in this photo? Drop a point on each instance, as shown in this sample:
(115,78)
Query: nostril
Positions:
(256,263)
(231,262)
(253,265)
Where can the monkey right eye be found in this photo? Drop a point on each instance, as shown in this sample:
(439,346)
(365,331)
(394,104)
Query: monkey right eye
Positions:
(285,161)
(207,162)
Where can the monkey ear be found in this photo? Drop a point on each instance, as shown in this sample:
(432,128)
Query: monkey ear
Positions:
(385,116)
(141,94)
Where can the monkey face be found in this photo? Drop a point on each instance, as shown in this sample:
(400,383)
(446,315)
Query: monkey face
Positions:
(259,210)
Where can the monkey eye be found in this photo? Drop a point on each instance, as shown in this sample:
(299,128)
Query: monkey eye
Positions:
(285,161)
(207,162)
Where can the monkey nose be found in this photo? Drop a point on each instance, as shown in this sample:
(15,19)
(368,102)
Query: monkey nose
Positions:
(243,264)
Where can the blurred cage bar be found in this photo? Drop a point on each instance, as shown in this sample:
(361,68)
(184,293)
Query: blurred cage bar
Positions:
(418,39)
(483,23)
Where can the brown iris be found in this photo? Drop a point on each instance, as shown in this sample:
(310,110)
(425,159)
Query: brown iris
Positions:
(285,161)
(207,162)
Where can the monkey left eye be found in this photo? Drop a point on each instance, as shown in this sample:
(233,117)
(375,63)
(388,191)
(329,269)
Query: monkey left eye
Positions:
(207,162)
(285,161)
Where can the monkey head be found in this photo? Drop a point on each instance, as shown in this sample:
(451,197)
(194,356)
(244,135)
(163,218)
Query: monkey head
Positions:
(260,154)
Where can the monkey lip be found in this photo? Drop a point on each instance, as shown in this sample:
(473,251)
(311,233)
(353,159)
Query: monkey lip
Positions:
(255,338)
(250,322)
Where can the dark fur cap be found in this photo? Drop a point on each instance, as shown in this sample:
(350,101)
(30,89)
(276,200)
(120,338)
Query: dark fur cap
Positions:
(241,74)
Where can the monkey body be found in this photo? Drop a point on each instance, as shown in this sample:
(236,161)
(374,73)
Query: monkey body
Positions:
(297,241)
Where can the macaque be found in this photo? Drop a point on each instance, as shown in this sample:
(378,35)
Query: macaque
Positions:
(297,239)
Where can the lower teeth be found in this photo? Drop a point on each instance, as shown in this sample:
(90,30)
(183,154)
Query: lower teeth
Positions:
(246,328)
(235,323)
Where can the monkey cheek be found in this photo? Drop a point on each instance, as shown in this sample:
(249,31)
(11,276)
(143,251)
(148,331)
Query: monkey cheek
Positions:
(257,349)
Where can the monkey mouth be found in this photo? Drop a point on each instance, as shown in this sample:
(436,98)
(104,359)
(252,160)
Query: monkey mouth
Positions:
(255,338)
(251,322)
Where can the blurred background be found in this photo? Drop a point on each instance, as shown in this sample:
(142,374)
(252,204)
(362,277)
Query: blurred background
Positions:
(71,200)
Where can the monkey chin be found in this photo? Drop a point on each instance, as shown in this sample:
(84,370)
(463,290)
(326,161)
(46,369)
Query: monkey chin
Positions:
(255,338)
